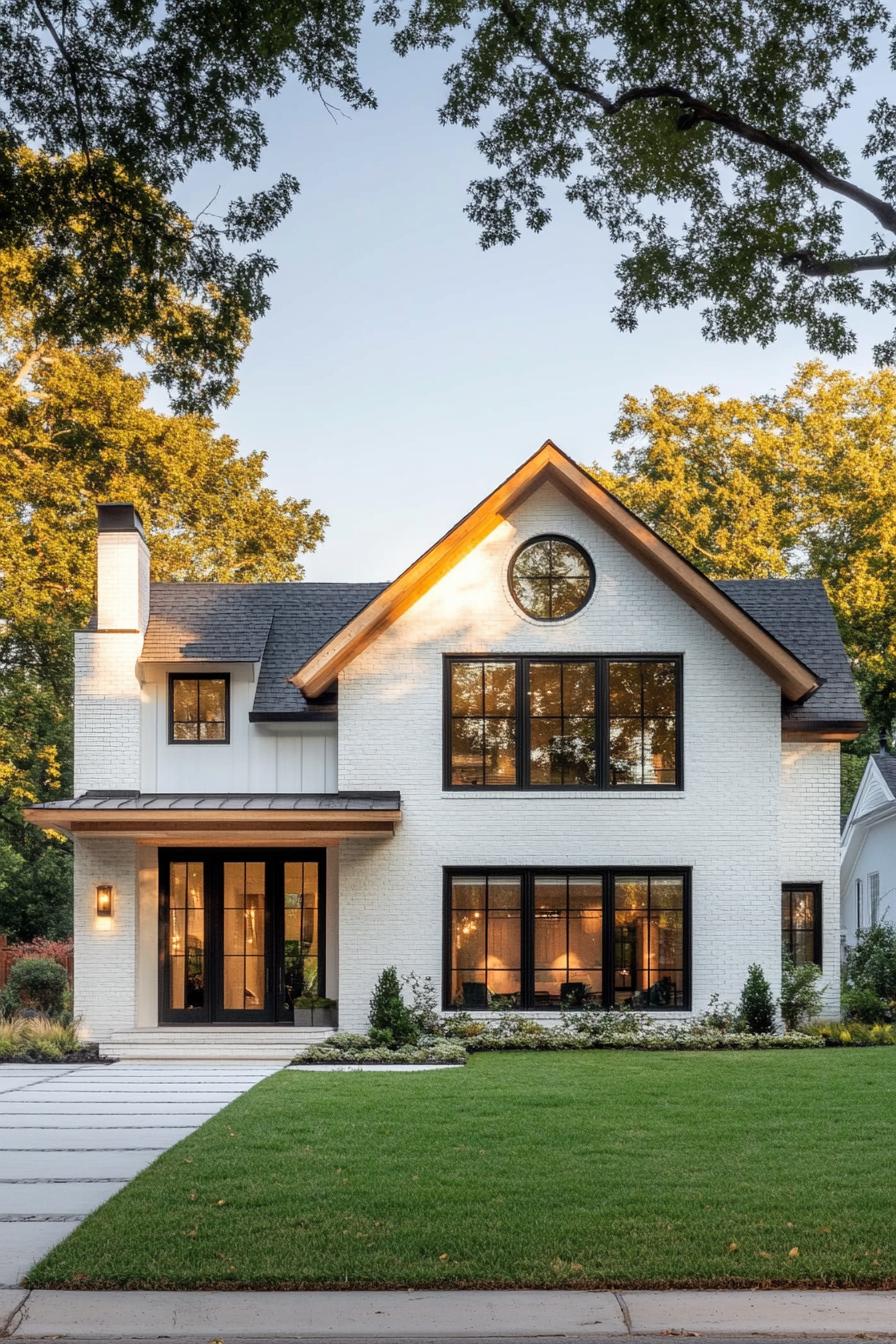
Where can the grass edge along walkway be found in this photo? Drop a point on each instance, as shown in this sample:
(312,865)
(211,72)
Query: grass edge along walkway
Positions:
(595,1170)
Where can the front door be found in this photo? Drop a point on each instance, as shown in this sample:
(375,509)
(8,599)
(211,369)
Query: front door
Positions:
(241,933)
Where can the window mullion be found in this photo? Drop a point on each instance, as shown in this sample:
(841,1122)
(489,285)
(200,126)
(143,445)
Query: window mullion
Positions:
(602,722)
(522,723)
(527,940)
(609,947)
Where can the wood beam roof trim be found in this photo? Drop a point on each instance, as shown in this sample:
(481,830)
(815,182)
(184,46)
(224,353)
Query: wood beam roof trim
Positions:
(146,820)
(796,680)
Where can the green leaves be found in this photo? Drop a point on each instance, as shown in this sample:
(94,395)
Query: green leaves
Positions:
(76,431)
(107,108)
(702,137)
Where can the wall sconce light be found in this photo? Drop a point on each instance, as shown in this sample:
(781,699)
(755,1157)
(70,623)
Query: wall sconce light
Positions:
(104,901)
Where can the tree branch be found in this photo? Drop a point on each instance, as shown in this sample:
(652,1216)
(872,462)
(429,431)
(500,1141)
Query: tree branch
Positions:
(810,264)
(73,75)
(694,110)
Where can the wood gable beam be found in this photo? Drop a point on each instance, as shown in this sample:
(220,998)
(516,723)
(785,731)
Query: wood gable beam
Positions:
(796,680)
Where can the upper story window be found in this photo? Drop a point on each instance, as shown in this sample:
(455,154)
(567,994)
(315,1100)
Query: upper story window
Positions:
(563,722)
(199,707)
(551,578)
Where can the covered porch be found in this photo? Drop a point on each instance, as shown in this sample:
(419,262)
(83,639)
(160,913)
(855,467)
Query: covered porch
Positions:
(207,926)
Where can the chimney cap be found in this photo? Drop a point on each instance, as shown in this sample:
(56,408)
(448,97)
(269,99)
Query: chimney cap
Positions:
(119,518)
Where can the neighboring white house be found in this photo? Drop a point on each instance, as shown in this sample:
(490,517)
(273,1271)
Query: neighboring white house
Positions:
(550,764)
(868,850)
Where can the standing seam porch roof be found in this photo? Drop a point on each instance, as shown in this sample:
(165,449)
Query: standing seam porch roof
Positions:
(95,800)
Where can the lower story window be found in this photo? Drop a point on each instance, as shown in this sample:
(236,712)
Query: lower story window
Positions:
(551,938)
(801,922)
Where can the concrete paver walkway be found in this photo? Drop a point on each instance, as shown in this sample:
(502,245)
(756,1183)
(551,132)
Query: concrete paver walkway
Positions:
(71,1135)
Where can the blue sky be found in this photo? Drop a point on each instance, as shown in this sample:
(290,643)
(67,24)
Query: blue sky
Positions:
(401,371)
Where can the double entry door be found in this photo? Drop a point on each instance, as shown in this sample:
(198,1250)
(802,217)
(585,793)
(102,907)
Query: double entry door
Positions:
(241,933)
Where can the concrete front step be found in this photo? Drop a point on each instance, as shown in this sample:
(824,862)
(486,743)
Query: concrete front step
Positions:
(270,1045)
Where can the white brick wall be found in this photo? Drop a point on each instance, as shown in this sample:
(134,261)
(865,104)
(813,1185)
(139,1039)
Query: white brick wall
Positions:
(810,841)
(105,949)
(107,711)
(122,581)
(724,823)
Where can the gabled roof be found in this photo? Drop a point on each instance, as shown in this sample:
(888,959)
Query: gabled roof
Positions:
(318,672)
(874,802)
(276,625)
(886,764)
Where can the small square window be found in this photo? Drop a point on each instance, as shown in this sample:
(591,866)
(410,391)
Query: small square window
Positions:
(199,708)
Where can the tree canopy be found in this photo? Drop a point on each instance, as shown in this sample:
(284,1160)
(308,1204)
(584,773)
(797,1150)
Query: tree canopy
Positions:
(77,432)
(104,110)
(799,483)
(713,142)
(707,139)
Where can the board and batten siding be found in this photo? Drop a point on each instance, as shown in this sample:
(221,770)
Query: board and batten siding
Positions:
(723,823)
(289,757)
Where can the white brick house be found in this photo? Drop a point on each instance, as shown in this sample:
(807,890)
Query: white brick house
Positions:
(550,764)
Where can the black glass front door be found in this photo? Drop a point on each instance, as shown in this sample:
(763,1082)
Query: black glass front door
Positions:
(241,933)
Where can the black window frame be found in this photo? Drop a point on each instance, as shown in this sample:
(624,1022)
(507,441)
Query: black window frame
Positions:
(198,742)
(607,874)
(602,722)
(816,889)
(567,541)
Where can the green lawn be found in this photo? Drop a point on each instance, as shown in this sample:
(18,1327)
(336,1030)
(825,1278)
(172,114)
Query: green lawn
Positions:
(590,1170)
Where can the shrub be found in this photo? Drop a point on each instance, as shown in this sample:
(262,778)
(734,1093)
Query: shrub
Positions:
(757,1007)
(37,982)
(856,1033)
(863,1005)
(391,1023)
(620,1034)
(719,1016)
(871,964)
(800,993)
(364,1050)
(460,1026)
(38,1039)
(424,1004)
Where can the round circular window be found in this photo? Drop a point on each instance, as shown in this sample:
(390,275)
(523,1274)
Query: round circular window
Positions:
(551,578)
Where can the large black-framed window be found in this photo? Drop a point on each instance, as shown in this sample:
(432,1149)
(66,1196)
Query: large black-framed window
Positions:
(546,939)
(563,721)
(199,707)
(801,922)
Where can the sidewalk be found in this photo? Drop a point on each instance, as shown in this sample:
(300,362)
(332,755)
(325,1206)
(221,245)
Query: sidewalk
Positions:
(434,1315)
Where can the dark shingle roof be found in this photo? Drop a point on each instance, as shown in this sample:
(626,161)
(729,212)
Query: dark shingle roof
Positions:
(886,764)
(279,625)
(798,614)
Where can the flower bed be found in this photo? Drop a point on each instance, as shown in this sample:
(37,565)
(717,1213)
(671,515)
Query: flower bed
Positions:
(855,1033)
(608,1031)
(345,1047)
(618,1031)
(40,1040)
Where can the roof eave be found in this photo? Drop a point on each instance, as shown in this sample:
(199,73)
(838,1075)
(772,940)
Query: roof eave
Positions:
(823,730)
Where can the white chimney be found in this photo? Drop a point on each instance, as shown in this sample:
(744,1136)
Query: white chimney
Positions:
(122,570)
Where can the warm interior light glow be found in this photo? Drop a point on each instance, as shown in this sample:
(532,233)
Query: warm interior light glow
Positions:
(104,901)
